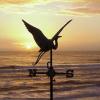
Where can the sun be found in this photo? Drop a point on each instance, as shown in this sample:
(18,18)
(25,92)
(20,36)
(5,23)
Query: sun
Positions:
(29,46)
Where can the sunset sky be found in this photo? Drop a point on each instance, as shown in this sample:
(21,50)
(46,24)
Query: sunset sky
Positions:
(83,33)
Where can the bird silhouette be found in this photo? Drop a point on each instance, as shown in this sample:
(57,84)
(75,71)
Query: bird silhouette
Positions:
(44,43)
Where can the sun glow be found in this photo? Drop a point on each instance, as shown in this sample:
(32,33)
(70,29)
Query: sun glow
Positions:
(29,46)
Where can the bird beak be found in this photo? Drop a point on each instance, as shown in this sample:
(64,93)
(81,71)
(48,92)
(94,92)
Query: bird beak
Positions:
(59,36)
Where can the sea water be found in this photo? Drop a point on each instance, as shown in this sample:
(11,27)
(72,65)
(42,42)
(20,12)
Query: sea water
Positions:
(15,82)
(59,57)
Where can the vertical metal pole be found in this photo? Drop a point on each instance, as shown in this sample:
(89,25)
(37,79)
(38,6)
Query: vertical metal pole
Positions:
(51,77)
(51,58)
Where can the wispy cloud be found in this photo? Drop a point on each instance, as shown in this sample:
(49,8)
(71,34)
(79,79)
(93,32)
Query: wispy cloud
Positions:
(14,1)
(89,7)
(71,7)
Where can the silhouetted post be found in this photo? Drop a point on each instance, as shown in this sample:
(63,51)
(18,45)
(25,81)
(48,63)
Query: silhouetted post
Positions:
(51,77)
(51,73)
(51,59)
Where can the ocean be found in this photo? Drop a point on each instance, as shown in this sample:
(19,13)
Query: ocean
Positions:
(16,84)
(59,57)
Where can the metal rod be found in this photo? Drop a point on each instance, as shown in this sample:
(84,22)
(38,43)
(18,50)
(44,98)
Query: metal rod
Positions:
(51,77)
(51,58)
(51,88)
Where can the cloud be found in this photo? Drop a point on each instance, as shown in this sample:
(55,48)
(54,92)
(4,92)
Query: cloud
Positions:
(23,1)
(14,1)
(89,7)
(69,7)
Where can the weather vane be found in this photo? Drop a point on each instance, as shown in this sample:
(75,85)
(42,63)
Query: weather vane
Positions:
(45,46)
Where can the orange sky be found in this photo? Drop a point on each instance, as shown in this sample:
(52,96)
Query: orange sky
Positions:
(83,33)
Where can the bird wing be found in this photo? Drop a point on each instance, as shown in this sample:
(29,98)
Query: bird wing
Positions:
(37,34)
(54,37)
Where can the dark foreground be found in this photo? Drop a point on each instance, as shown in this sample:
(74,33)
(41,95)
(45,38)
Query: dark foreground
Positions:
(15,84)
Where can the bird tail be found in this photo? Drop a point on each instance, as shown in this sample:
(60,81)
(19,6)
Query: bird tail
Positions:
(39,57)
